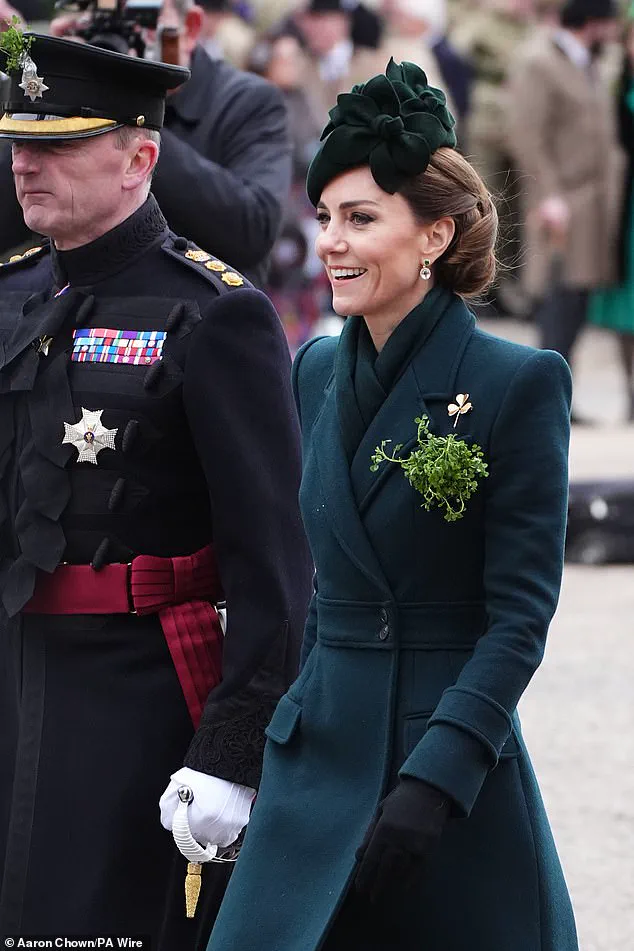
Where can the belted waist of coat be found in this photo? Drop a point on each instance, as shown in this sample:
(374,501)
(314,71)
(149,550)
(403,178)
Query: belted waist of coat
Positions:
(181,590)
(432,626)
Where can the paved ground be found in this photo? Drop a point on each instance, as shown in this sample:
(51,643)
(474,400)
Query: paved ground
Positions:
(578,712)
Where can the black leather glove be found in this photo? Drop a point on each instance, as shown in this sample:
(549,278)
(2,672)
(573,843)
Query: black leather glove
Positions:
(405,832)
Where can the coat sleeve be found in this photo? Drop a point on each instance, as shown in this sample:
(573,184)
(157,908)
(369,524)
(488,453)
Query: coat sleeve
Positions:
(525,523)
(13,231)
(240,411)
(233,209)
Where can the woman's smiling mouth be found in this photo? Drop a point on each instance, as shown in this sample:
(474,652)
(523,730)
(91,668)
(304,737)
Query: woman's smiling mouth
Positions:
(346,273)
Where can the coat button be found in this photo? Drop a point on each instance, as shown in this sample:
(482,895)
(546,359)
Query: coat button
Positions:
(383,616)
(384,633)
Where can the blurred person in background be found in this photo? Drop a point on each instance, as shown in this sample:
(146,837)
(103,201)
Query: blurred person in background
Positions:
(335,63)
(416,31)
(613,308)
(561,127)
(367,24)
(489,35)
(225,166)
(28,10)
(225,34)
(7,12)
(295,282)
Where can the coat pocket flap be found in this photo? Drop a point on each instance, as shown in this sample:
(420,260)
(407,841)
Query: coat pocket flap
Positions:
(416,727)
(284,721)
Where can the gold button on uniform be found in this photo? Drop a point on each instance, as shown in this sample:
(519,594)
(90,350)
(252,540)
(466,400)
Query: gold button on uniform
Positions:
(195,254)
(232,279)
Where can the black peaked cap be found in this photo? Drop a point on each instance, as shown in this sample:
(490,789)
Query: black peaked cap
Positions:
(79,90)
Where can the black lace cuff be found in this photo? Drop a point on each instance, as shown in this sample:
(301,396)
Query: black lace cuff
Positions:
(230,741)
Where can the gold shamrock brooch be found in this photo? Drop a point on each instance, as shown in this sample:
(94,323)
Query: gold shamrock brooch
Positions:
(460,407)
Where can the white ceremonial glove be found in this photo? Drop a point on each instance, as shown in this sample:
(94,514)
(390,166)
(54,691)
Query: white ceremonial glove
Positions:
(218,812)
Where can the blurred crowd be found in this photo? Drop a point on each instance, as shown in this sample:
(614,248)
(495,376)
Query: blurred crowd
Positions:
(543,96)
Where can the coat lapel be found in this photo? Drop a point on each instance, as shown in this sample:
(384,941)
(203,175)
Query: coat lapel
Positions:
(426,387)
(341,507)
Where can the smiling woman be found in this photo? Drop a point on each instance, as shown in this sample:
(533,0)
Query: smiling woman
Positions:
(375,246)
(398,808)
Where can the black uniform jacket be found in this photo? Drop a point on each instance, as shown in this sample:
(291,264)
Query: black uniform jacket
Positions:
(206,450)
(225,168)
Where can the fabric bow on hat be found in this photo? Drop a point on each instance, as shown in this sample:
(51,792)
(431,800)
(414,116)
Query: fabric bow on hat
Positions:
(393,123)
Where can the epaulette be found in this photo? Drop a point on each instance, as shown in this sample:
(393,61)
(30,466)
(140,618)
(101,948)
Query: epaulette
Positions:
(33,254)
(214,270)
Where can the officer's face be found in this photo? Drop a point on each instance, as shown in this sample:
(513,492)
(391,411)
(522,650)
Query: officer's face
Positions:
(372,248)
(72,191)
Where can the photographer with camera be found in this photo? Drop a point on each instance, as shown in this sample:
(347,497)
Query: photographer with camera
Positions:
(224,172)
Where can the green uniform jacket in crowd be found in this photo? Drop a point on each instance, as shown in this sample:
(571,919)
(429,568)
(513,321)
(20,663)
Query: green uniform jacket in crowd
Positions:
(421,639)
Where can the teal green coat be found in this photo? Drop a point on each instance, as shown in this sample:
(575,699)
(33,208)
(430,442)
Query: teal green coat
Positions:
(420,642)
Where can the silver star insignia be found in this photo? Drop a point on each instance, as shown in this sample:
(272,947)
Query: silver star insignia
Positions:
(32,84)
(89,436)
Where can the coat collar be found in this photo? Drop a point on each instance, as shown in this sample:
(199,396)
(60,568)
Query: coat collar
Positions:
(426,386)
(341,507)
(428,380)
(191,101)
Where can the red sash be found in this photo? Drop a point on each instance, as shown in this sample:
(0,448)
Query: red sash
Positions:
(181,590)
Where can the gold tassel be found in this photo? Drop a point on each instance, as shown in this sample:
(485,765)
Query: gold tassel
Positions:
(192,887)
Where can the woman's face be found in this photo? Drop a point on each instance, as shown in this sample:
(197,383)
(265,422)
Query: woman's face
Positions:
(372,247)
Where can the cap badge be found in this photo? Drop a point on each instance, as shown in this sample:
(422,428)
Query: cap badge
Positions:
(32,84)
(89,436)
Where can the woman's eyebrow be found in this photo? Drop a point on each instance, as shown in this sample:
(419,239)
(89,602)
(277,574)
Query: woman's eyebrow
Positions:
(357,201)
(350,204)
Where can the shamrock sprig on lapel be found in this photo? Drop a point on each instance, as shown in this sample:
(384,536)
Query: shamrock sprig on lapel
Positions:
(444,469)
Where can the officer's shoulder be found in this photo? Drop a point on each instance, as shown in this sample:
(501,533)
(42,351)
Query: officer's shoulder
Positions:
(220,278)
(28,258)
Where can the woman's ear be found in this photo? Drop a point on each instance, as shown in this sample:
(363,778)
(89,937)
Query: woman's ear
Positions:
(436,238)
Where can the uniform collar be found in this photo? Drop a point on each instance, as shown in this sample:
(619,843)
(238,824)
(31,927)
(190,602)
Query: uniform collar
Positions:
(113,251)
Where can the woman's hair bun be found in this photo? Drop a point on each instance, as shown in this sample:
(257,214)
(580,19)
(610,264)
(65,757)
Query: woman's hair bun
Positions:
(451,188)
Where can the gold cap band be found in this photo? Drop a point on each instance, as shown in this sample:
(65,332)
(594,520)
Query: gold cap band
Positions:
(58,126)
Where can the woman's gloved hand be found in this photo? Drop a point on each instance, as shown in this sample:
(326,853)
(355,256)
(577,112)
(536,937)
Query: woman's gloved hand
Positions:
(405,832)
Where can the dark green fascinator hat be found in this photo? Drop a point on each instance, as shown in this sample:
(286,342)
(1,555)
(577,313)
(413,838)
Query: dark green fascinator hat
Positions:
(392,123)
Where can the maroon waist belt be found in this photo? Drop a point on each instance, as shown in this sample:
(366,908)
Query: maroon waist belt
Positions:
(180,590)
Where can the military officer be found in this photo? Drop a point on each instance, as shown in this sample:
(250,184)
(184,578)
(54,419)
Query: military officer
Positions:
(149,470)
